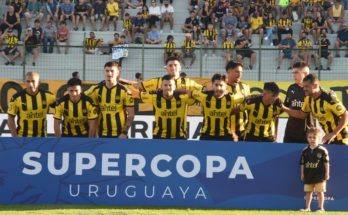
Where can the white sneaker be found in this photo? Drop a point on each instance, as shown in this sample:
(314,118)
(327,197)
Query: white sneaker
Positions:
(320,210)
(171,31)
(214,55)
(305,210)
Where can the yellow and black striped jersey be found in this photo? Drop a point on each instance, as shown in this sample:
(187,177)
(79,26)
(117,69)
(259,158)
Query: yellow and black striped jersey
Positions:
(305,43)
(127,24)
(91,43)
(271,2)
(261,118)
(327,110)
(188,44)
(284,23)
(181,83)
(75,115)
(227,45)
(294,2)
(269,23)
(239,120)
(31,111)
(112,103)
(212,3)
(216,112)
(169,47)
(170,114)
(11,41)
(308,23)
(210,34)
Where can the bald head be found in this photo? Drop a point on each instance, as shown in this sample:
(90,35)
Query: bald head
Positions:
(32,82)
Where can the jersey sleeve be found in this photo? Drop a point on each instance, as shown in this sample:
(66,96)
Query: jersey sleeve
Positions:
(336,106)
(58,113)
(198,95)
(128,99)
(92,92)
(306,107)
(51,100)
(146,97)
(151,84)
(92,111)
(13,107)
(189,101)
(194,85)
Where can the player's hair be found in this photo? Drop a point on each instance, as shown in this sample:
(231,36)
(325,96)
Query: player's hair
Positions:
(170,37)
(111,64)
(37,21)
(314,130)
(271,86)
(218,77)
(75,74)
(300,65)
(172,59)
(233,64)
(74,82)
(137,75)
(32,73)
(183,75)
(311,78)
(167,77)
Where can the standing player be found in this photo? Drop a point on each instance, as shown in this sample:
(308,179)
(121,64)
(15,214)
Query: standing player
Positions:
(263,111)
(170,110)
(295,131)
(238,89)
(78,112)
(217,108)
(116,105)
(31,106)
(330,112)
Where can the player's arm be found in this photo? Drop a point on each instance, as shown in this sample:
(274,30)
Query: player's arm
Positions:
(129,121)
(57,130)
(92,131)
(343,121)
(12,125)
(302,172)
(294,113)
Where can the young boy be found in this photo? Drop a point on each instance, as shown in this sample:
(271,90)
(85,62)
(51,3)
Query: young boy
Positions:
(315,169)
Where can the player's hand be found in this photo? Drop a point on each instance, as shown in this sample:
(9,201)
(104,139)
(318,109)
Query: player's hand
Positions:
(328,138)
(135,93)
(123,136)
(327,177)
(234,137)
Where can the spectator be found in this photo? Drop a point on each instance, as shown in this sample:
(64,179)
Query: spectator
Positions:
(193,5)
(154,13)
(305,45)
(153,37)
(243,26)
(127,27)
(284,26)
(205,14)
(286,47)
(63,37)
(210,38)
(243,50)
(167,12)
(52,8)
(188,50)
(218,12)
(320,26)
(237,8)
(342,39)
(138,77)
(81,11)
(323,52)
(336,14)
(139,25)
(115,41)
(18,7)
(145,13)
(11,20)
(33,11)
(296,7)
(134,3)
(308,25)
(125,52)
(37,30)
(92,44)
(10,52)
(169,48)
(98,13)
(256,24)
(270,27)
(228,47)
(229,24)
(112,13)
(67,11)
(190,22)
(49,37)
(31,45)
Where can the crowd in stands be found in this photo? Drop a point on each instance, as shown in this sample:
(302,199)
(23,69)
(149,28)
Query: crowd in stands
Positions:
(228,25)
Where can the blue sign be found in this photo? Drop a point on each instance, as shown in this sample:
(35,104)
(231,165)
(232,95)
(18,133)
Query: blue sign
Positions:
(161,173)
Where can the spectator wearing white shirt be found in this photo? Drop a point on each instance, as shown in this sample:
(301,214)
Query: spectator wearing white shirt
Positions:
(167,11)
(154,13)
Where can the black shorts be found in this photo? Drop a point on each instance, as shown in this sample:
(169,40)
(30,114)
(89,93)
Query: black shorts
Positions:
(29,49)
(219,138)
(81,16)
(10,51)
(245,53)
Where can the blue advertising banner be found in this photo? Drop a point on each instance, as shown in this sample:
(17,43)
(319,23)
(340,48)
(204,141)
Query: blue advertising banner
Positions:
(161,173)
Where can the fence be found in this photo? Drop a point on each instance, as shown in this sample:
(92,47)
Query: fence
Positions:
(148,60)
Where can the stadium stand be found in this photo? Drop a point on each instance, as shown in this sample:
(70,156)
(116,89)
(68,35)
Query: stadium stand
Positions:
(148,58)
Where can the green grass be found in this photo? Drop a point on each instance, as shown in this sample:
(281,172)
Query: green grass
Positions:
(100,210)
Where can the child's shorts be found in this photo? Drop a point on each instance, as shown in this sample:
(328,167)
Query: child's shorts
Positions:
(318,187)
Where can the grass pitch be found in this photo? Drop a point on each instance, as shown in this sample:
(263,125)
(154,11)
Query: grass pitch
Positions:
(100,210)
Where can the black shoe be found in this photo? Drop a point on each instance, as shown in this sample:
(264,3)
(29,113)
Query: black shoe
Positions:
(250,67)
(12,63)
(7,63)
(34,64)
(328,68)
(316,68)
(278,67)
(338,55)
